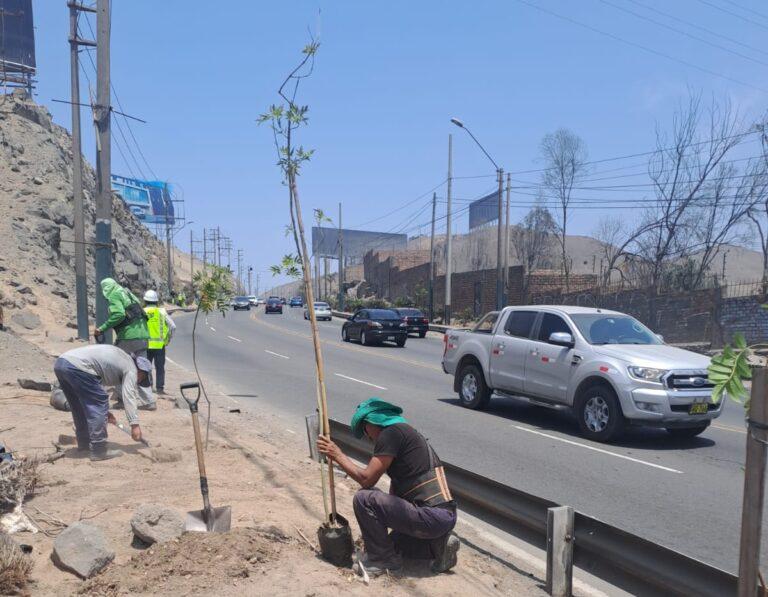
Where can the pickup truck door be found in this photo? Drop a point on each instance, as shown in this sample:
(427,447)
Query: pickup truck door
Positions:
(548,367)
(509,349)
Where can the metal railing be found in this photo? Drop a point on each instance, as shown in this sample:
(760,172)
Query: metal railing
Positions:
(620,558)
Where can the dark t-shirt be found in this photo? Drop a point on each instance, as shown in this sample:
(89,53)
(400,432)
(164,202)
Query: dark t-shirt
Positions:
(409,451)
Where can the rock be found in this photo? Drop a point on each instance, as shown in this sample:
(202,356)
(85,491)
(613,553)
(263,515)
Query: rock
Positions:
(61,214)
(32,384)
(155,523)
(24,290)
(82,549)
(61,293)
(37,181)
(26,319)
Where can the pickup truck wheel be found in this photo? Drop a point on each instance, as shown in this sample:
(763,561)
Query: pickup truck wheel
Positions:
(473,391)
(684,432)
(599,414)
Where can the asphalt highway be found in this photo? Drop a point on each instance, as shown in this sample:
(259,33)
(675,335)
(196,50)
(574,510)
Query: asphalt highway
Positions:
(685,494)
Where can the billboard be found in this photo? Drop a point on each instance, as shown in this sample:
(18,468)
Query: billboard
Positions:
(325,242)
(484,210)
(150,201)
(17,35)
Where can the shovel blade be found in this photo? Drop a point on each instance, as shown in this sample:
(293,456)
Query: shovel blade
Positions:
(215,520)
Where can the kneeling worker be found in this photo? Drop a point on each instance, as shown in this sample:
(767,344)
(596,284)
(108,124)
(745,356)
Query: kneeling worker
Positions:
(82,373)
(418,508)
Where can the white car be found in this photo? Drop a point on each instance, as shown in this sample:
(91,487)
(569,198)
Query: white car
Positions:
(322,311)
(253,300)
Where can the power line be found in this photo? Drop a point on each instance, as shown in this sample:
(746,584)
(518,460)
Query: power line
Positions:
(640,46)
(733,14)
(402,207)
(745,8)
(681,32)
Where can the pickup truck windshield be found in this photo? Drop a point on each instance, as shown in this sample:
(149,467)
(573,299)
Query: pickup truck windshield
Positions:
(613,329)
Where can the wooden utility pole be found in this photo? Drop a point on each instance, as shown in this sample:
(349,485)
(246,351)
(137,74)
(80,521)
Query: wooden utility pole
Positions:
(102,116)
(506,240)
(341,264)
(448,256)
(81,281)
(250,273)
(499,244)
(191,255)
(432,262)
(754,485)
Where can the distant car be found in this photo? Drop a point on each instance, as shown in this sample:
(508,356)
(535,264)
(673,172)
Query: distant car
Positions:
(253,300)
(273,306)
(260,301)
(322,311)
(241,302)
(416,321)
(296,301)
(282,300)
(374,326)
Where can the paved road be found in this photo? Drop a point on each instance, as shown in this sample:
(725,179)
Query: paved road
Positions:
(685,494)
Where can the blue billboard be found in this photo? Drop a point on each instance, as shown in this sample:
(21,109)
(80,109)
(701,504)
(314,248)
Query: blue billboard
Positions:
(149,200)
(483,211)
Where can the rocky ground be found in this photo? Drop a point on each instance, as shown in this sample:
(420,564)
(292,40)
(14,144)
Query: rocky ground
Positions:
(256,464)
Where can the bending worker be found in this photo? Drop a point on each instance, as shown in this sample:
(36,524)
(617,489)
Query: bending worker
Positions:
(418,508)
(161,328)
(82,373)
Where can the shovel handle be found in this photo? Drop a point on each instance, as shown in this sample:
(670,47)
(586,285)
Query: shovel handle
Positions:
(191,385)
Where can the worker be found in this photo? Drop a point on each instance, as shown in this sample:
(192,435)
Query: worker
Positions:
(82,373)
(418,508)
(129,321)
(161,328)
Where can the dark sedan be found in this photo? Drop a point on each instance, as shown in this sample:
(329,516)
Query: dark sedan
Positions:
(416,321)
(274,305)
(374,326)
(241,302)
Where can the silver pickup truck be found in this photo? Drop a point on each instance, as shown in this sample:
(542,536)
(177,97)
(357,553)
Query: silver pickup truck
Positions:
(606,366)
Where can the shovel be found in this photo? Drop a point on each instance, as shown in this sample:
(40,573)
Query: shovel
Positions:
(208,519)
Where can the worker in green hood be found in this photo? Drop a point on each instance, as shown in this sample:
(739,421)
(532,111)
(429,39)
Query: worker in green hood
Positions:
(419,508)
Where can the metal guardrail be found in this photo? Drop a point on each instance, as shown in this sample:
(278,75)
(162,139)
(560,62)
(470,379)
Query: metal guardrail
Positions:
(621,558)
(433,327)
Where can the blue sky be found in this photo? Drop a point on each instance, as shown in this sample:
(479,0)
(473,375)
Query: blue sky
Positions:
(389,76)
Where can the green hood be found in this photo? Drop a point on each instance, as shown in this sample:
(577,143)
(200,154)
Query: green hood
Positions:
(108,286)
(376,412)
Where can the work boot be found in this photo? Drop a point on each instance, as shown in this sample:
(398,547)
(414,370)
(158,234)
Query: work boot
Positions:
(446,554)
(150,406)
(377,568)
(104,454)
(160,391)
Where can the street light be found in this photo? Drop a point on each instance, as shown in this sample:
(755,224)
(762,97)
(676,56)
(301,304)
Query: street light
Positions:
(500,177)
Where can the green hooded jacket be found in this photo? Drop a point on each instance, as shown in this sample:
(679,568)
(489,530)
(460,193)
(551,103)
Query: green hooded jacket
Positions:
(119,300)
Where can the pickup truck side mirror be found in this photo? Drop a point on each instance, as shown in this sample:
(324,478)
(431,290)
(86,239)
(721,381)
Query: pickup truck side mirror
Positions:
(660,337)
(562,339)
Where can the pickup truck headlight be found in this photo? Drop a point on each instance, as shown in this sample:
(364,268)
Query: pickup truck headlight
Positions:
(647,373)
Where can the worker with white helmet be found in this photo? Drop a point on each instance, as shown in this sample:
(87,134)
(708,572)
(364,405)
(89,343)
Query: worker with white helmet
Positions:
(161,328)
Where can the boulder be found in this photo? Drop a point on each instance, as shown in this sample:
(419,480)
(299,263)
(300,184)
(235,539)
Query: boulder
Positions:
(33,384)
(82,549)
(155,523)
(26,319)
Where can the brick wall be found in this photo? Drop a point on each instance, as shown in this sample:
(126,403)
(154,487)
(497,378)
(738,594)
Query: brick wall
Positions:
(744,315)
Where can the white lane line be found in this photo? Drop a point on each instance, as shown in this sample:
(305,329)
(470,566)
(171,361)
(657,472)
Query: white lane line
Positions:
(282,356)
(213,329)
(170,360)
(567,441)
(235,339)
(291,431)
(373,385)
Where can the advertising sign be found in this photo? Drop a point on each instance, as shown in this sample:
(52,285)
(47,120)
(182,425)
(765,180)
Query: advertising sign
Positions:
(17,34)
(484,210)
(150,201)
(325,242)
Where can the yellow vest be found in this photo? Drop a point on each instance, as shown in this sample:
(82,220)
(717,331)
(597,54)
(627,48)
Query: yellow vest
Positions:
(158,328)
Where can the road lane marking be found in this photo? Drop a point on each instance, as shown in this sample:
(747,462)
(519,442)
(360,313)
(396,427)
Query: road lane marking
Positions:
(373,385)
(235,339)
(170,360)
(729,428)
(213,329)
(282,356)
(567,441)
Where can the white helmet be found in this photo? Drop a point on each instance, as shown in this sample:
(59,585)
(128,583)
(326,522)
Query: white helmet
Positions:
(150,296)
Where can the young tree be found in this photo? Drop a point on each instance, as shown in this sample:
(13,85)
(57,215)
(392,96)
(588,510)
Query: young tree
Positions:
(565,156)
(532,240)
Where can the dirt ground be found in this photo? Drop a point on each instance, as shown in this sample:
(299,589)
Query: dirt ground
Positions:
(255,463)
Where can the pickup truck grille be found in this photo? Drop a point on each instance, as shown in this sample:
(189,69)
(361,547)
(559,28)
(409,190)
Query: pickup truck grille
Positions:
(688,381)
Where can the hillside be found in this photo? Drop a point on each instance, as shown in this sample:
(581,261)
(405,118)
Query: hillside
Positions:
(37,278)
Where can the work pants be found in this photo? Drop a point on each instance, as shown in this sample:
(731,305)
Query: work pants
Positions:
(88,403)
(416,530)
(157,356)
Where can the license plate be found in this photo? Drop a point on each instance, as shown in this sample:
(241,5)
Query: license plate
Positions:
(391,337)
(698,408)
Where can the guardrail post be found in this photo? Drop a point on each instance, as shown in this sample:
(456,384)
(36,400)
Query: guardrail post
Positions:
(560,551)
(754,484)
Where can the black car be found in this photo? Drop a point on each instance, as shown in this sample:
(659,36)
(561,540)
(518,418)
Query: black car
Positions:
(416,321)
(241,302)
(274,305)
(374,326)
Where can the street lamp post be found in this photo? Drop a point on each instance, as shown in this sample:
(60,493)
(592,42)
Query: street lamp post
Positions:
(499,243)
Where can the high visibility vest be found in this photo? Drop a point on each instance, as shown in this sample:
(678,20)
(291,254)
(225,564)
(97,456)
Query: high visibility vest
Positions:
(158,328)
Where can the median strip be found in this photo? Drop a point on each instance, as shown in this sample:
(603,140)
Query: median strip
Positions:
(373,385)
(567,441)
(282,356)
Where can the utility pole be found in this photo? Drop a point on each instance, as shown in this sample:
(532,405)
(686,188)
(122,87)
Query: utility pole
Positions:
(81,281)
(240,268)
(258,280)
(499,244)
(506,241)
(168,243)
(448,256)
(250,271)
(341,263)
(432,261)
(205,250)
(102,115)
